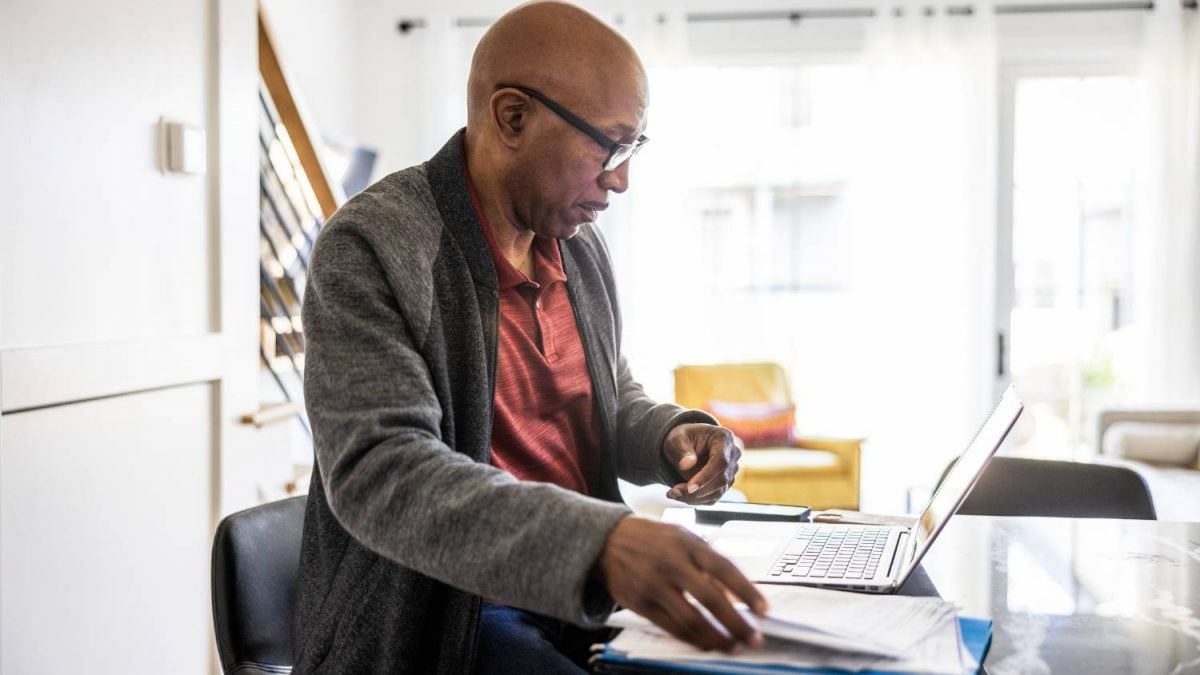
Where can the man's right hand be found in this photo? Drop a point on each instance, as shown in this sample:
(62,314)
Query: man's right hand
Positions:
(647,567)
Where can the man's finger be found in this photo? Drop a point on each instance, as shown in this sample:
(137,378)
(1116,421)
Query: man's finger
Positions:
(708,496)
(710,492)
(687,461)
(710,475)
(688,624)
(729,576)
(715,464)
(712,595)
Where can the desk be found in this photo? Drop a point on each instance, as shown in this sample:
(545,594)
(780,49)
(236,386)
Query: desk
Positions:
(1068,595)
(1076,595)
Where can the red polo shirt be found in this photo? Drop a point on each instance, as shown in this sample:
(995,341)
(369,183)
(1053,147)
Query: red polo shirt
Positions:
(543,426)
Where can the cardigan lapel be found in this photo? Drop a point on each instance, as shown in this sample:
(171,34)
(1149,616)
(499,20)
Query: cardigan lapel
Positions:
(446,172)
(448,181)
(584,282)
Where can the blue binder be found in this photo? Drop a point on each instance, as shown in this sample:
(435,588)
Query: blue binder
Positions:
(976,635)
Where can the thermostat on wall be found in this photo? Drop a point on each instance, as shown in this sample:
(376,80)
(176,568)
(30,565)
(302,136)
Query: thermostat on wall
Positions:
(184,147)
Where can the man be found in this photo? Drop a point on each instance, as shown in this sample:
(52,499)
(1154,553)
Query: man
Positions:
(470,405)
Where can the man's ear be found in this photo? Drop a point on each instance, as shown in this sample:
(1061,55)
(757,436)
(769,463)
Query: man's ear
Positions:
(510,111)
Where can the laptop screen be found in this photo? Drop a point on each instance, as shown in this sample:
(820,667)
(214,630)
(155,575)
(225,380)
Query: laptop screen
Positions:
(953,490)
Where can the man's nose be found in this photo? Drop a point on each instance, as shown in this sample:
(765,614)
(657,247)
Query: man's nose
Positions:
(616,180)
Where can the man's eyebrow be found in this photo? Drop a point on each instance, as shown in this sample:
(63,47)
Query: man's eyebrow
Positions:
(623,129)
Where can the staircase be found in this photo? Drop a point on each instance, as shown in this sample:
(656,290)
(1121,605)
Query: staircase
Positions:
(296,198)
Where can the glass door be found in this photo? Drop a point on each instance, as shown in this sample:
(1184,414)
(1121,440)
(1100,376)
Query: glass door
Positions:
(1065,252)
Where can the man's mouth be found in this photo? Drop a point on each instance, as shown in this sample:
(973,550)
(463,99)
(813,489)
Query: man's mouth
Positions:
(593,208)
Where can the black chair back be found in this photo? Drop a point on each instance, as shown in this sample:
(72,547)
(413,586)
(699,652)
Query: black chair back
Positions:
(255,563)
(1018,486)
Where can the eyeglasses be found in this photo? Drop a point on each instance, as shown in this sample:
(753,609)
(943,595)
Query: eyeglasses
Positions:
(618,153)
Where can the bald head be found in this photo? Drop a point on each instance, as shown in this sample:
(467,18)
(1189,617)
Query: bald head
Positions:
(558,49)
(553,93)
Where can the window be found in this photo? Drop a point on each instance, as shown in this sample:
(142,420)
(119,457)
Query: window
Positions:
(1072,197)
(767,222)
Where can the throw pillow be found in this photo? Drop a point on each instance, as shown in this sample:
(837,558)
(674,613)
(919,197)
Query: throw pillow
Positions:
(757,424)
(1154,442)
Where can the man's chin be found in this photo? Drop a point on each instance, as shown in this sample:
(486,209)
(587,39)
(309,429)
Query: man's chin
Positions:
(566,230)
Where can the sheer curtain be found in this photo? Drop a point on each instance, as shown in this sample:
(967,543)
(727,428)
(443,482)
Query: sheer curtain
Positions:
(925,237)
(1167,245)
(828,205)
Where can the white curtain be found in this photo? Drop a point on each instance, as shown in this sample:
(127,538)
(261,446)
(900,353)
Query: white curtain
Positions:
(897,347)
(925,236)
(1167,244)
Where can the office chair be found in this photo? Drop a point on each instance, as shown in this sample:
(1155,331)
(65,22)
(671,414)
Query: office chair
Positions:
(1018,486)
(255,562)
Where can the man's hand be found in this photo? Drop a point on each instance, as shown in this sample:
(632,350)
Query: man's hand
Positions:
(647,566)
(707,458)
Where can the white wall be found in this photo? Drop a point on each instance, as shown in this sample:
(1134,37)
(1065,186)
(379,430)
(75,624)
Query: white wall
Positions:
(104,563)
(319,48)
(97,244)
(128,327)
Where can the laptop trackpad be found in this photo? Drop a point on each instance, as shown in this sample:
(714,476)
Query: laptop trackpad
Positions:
(753,545)
(745,547)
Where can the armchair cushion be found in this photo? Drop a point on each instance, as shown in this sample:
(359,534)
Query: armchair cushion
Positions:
(759,425)
(1153,442)
(789,459)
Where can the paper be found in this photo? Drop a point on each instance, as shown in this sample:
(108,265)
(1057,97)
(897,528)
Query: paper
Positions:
(818,628)
(785,632)
(975,635)
(891,621)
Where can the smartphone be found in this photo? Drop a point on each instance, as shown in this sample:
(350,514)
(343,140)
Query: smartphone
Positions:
(715,514)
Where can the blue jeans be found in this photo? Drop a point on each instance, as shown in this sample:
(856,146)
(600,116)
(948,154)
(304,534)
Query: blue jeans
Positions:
(523,643)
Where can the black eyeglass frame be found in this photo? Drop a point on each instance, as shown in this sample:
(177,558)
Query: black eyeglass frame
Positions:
(618,153)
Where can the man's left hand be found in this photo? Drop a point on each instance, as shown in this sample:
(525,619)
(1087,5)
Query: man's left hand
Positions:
(707,458)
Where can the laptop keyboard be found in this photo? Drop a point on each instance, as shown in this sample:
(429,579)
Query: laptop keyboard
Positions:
(833,553)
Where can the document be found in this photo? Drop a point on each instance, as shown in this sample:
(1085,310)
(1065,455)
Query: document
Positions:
(818,628)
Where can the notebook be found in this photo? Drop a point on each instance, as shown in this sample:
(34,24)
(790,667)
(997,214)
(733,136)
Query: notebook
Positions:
(869,558)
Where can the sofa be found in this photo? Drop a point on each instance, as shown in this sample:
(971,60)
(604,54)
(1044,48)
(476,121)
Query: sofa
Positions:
(1161,445)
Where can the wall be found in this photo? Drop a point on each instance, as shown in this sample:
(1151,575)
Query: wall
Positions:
(104,561)
(318,47)
(127,327)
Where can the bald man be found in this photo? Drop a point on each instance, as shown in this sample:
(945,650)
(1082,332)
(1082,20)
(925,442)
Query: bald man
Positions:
(470,405)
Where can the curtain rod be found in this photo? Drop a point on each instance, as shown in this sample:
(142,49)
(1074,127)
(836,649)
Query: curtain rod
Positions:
(950,10)
(406,26)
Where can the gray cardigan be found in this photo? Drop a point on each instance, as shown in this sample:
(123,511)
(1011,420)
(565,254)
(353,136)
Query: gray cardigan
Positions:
(408,525)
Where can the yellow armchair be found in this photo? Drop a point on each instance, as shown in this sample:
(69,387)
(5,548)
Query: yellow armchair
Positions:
(822,473)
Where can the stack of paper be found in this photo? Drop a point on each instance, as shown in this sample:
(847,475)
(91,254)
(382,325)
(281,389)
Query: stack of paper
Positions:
(815,628)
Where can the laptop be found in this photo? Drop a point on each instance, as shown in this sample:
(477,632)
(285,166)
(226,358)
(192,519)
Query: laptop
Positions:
(869,558)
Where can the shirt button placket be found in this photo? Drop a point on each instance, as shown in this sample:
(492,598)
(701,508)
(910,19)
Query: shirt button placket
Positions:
(547,326)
